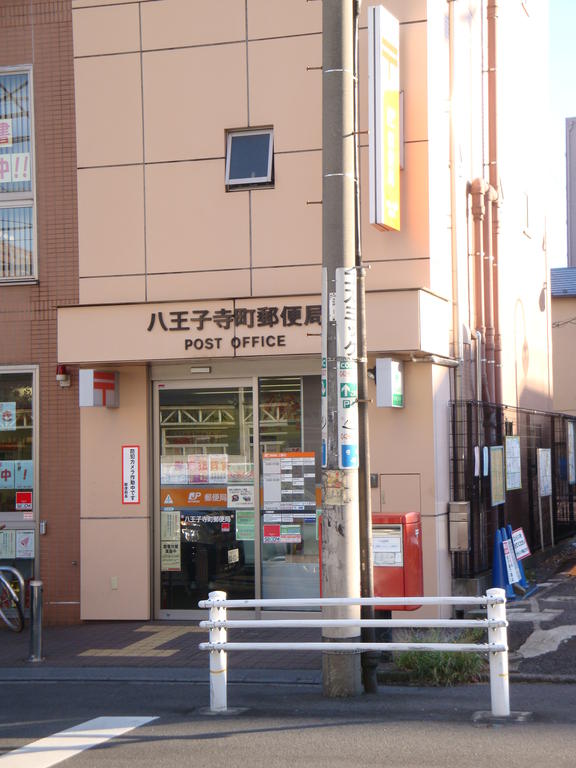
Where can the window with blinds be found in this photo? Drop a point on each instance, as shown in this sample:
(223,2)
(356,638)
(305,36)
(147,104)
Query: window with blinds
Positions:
(17,258)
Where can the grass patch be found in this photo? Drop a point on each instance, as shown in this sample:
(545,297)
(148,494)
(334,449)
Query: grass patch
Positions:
(442,668)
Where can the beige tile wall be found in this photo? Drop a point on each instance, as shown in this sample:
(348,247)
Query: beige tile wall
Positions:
(157,86)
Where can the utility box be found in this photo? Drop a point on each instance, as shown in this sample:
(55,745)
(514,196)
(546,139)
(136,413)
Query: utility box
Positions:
(397,557)
(459,526)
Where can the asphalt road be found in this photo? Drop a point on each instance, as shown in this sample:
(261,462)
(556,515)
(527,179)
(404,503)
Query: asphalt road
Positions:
(287,725)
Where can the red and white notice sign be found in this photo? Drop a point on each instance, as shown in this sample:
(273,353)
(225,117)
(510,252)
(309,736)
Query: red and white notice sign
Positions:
(130,474)
(23,501)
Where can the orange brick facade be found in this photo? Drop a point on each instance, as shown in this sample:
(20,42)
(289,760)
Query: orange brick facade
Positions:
(38,33)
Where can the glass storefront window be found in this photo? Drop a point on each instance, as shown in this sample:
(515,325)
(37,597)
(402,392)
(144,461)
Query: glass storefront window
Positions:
(210,535)
(290,486)
(17,539)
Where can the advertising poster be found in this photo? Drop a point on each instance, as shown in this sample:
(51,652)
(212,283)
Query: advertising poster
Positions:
(218,468)
(170,556)
(513,464)
(23,501)
(245,525)
(6,474)
(174,472)
(241,496)
(7,417)
(25,545)
(23,474)
(497,491)
(197,468)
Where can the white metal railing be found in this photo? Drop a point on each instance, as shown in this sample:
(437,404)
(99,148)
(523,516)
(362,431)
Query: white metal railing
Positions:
(495,623)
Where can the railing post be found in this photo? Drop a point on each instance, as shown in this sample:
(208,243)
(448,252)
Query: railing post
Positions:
(499,683)
(35,620)
(218,659)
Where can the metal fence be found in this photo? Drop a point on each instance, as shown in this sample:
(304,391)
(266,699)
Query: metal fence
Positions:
(495,624)
(477,426)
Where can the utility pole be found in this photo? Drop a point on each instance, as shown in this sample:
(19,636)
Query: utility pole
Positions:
(340,449)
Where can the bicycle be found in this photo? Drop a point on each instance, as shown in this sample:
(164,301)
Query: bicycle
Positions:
(10,606)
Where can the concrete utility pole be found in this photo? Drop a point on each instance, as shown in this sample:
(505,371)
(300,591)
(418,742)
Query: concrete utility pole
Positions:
(340,451)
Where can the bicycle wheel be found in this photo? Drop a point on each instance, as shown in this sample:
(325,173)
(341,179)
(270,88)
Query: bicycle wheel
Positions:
(10,609)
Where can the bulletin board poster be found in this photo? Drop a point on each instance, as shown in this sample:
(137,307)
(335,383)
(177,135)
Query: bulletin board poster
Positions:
(513,464)
(570,452)
(170,525)
(24,545)
(7,545)
(170,556)
(544,461)
(497,489)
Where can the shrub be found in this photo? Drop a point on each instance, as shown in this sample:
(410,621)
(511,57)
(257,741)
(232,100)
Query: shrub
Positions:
(442,668)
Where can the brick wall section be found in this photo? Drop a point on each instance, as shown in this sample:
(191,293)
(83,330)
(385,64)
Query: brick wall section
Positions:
(39,32)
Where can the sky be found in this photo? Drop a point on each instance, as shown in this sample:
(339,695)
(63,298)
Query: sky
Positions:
(562,72)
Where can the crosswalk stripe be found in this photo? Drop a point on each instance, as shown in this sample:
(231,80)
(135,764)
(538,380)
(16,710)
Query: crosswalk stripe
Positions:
(60,746)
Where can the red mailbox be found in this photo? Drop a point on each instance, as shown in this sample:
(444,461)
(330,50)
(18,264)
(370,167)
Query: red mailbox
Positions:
(397,555)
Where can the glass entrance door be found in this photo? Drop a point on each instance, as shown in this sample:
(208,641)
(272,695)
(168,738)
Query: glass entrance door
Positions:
(207,494)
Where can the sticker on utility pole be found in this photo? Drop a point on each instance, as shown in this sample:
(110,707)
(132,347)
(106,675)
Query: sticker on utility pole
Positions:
(324,391)
(347,371)
(130,474)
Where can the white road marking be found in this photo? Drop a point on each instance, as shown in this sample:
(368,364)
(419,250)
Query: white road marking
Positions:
(543,641)
(54,749)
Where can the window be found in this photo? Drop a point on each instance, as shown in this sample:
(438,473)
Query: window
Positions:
(17,260)
(17,469)
(249,158)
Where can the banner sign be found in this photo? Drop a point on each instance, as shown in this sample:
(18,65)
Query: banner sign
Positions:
(384,117)
(347,379)
(130,474)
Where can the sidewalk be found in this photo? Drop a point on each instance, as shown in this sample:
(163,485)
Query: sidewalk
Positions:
(542,640)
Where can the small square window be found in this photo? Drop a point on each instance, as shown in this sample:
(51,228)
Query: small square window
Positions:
(249,157)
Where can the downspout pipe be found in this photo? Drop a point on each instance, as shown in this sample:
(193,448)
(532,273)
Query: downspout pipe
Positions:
(494,178)
(490,197)
(477,191)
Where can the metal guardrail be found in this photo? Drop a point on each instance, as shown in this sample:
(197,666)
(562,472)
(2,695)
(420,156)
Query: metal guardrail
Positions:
(495,624)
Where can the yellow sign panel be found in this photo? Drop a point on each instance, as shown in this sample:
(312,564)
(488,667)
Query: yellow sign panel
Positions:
(384,133)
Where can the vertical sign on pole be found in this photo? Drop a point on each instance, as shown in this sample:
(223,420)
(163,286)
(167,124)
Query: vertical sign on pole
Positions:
(346,353)
(384,117)
(544,464)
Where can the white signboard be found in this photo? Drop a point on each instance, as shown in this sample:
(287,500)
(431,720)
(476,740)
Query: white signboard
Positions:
(513,464)
(511,563)
(130,474)
(387,547)
(544,461)
(324,392)
(521,547)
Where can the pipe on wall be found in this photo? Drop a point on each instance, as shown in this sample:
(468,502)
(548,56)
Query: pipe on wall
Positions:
(492,24)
